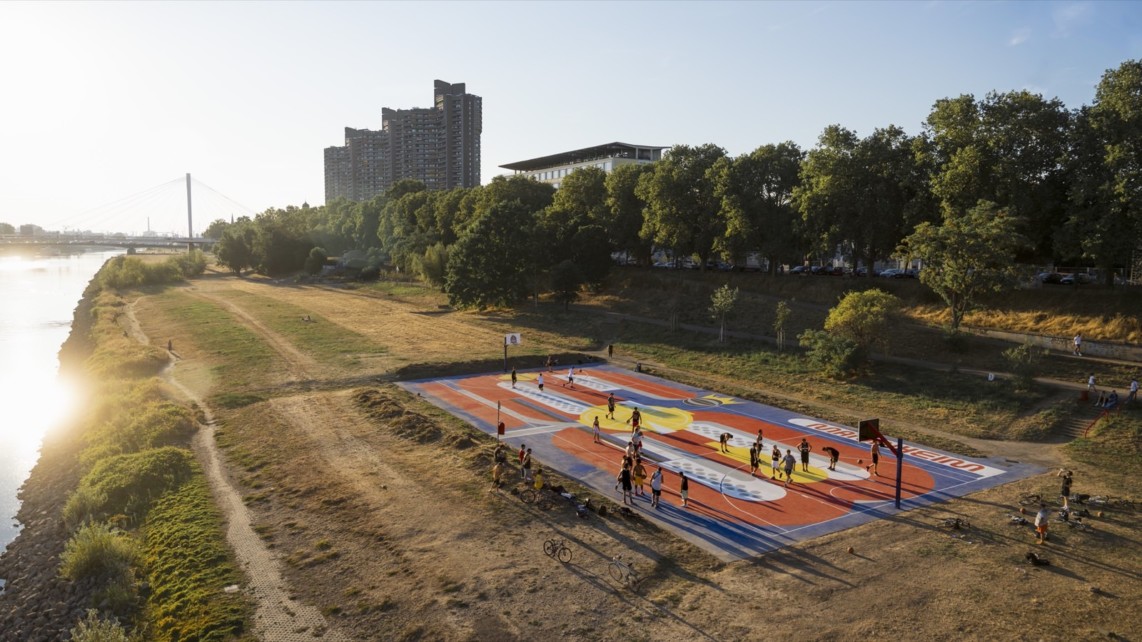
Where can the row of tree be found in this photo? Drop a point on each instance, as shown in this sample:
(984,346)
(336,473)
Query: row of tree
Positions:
(1013,176)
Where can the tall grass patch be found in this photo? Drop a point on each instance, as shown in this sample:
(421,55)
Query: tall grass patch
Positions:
(99,551)
(127,484)
(152,425)
(188,567)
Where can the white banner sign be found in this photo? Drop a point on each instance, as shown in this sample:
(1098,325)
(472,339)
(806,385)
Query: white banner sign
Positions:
(512,339)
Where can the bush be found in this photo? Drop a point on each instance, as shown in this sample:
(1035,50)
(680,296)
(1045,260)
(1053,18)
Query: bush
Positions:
(124,272)
(1024,363)
(128,483)
(94,629)
(192,263)
(158,423)
(99,551)
(834,355)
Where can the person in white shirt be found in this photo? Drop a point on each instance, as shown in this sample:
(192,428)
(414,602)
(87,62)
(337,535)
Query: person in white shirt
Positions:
(1041,524)
(1078,344)
(1133,390)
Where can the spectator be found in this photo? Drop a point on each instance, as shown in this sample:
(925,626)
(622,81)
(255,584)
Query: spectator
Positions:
(1133,391)
(1111,400)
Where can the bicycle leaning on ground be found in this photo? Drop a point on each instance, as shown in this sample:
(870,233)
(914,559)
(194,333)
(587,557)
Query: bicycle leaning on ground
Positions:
(538,497)
(623,572)
(558,549)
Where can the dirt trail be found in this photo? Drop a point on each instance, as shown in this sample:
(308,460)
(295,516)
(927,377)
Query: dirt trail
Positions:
(278,616)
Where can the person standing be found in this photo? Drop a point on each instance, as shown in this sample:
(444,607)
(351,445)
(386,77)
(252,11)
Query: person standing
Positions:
(834,455)
(571,377)
(1090,386)
(527,466)
(684,490)
(1041,523)
(805,448)
(874,452)
(497,474)
(656,487)
(539,380)
(759,443)
(639,476)
(753,460)
(595,427)
(513,376)
(611,406)
(636,439)
(522,452)
(635,419)
(1133,391)
(610,350)
(790,464)
(625,483)
(775,456)
(1065,489)
(170,345)
(1078,341)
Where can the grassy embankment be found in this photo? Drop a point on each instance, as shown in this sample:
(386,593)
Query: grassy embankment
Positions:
(146,536)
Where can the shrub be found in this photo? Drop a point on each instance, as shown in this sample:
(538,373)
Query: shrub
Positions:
(99,551)
(834,355)
(129,483)
(124,272)
(94,629)
(81,505)
(192,263)
(159,423)
(1024,363)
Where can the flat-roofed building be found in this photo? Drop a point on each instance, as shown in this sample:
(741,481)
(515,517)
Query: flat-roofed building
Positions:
(554,168)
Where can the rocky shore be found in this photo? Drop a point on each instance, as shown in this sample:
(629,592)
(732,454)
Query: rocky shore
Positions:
(37,604)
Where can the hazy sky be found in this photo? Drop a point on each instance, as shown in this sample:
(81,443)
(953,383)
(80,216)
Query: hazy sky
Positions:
(103,101)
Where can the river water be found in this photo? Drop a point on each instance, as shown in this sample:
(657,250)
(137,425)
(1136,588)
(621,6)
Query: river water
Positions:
(38,295)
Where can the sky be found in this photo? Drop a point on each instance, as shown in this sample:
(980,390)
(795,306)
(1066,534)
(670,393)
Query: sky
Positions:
(105,107)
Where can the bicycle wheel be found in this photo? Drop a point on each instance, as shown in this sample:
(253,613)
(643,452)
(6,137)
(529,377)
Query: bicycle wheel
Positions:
(527,496)
(544,502)
(616,572)
(549,547)
(1028,500)
(564,554)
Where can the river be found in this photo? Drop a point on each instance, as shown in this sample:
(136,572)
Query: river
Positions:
(38,295)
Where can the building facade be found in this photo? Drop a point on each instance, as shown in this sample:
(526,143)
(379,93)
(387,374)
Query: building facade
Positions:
(554,168)
(438,145)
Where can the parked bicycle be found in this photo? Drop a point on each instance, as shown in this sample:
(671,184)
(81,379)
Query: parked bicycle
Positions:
(558,549)
(1030,499)
(623,572)
(538,497)
(954,523)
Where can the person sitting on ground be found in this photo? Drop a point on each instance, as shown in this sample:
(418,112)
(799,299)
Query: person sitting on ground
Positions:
(1101,401)
(539,479)
(1111,400)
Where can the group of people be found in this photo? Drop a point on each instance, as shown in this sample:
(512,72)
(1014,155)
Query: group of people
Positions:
(1109,399)
(499,462)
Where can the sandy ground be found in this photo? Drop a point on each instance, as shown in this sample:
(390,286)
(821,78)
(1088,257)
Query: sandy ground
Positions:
(379,513)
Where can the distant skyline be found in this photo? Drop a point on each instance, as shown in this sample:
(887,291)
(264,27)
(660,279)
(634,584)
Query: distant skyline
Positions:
(103,101)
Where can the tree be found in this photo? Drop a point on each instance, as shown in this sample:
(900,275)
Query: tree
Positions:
(780,317)
(682,211)
(566,279)
(235,250)
(966,256)
(1105,201)
(721,305)
(862,317)
(433,266)
(624,217)
(212,231)
(490,263)
(756,192)
(316,260)
(834,355)
(7,228)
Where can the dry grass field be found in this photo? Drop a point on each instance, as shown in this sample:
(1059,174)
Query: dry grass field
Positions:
(379,506)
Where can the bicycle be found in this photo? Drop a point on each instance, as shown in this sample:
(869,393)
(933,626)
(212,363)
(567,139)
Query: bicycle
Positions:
(1030,499)
(558,549)
(1111,502)
(623,572)
(954,523)
(537,497)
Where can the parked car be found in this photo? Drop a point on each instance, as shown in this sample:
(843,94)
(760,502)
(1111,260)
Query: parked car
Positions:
(1071,279)
(893,273)
(1049,277)
(799,269)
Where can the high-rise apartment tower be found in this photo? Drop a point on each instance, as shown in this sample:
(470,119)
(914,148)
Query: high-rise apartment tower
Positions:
(438,145)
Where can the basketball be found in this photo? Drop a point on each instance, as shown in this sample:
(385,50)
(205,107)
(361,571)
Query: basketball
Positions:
(1022,511)
(860,461)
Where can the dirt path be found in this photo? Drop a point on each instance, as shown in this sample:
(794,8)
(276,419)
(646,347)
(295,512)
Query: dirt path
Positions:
(277,616)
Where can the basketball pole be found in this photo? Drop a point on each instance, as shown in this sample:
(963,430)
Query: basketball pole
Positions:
(505,354)
(899,467)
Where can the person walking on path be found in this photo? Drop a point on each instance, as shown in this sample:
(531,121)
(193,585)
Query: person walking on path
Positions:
(595,427)
(1133,391)
(611,406)
(539,381)
(775,456)
(684,490)
(656,487)
(624,481)
(513,376)
(170,345)
(834,455)
(874,452)
(790,464)
(639,475)
(1041,523)
(1078,340)
(805,448)
(753,460)
(1065,489)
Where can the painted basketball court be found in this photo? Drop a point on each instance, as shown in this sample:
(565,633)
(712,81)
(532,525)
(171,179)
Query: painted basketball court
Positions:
(731,513)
